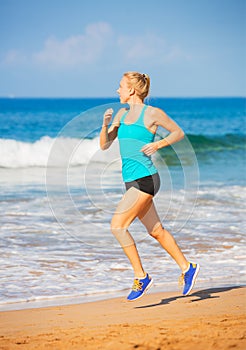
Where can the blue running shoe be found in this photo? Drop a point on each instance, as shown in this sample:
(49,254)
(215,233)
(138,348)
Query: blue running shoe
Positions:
(189,277)
(140,286)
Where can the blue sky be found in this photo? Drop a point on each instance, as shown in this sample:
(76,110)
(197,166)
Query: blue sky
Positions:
(58,48)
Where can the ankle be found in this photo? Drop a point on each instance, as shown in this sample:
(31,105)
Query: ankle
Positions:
(140,275)
(186,267)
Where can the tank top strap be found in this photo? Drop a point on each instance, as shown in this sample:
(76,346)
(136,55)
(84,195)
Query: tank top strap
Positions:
(122,119)
(141,117)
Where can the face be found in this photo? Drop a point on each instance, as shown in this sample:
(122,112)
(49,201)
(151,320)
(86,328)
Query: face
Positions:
(124,90)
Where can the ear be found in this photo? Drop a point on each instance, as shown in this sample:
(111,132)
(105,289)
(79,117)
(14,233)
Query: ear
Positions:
(132,91)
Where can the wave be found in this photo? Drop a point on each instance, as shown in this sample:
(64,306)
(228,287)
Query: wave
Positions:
(47,152)
(63,151)
(217,143)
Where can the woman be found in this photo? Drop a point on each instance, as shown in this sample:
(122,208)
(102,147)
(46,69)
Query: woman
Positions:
(135,128)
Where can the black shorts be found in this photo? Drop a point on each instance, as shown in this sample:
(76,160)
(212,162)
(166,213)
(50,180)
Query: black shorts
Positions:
(148,184)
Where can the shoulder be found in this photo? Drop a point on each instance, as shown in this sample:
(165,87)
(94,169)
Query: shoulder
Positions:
(156,116)
(155,113)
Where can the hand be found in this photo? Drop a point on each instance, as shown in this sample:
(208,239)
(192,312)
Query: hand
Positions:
(150,148)
(107,116)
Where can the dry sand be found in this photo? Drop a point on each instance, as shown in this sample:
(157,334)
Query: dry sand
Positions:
(207,319)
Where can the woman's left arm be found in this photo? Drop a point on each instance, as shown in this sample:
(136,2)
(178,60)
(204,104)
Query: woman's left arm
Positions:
(160,118)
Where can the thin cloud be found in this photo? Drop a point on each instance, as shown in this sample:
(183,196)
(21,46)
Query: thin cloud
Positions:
(149,46)
(176,53)
(75,50)
(136,47)
(14,56)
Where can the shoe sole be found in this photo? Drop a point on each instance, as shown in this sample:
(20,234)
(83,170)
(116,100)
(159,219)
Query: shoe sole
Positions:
(144,292)
(194,279)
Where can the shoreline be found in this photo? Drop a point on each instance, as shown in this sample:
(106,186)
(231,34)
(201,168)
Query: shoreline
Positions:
(56,301)
(213,318)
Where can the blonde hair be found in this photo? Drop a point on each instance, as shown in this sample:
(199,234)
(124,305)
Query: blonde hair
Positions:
(140,82)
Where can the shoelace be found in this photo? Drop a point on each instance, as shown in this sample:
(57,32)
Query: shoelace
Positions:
(181,279)
(137,285)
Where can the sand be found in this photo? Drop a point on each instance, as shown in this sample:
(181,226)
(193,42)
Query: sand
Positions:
(207,319)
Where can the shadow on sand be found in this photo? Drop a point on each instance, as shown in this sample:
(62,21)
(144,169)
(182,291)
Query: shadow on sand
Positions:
(199,295)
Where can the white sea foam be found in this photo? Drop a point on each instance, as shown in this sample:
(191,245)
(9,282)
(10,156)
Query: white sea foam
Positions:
(52,152)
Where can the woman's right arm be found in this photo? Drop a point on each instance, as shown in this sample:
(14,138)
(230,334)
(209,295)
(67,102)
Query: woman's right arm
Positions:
(108,134)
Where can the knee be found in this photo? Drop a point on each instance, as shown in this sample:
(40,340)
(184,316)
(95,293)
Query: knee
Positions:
(122,235)
(116,226)
(157,231)
(115,229)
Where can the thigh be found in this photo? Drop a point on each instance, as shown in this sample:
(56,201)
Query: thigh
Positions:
(149,217)
(131,205)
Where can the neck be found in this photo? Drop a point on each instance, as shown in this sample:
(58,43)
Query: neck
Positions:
(135,100)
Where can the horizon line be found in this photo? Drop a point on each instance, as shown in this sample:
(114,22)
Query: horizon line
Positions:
(117,98)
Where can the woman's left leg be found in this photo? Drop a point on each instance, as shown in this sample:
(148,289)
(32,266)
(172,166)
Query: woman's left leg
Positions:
(150,219)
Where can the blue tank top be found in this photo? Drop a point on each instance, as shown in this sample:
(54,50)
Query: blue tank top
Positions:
(132,137)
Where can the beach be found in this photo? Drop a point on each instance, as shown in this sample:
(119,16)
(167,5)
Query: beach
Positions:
(212,318)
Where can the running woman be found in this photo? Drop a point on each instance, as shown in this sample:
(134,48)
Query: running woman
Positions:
(135,128)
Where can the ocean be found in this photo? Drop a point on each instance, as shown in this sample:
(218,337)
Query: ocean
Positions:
(58,192)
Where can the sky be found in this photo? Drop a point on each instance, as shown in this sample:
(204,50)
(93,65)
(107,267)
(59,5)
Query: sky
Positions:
(79,48)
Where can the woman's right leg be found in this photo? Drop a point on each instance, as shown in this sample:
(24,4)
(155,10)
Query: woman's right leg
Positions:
(151,221)
(132,203)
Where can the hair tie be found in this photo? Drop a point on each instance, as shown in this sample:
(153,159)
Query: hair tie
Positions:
(144,77)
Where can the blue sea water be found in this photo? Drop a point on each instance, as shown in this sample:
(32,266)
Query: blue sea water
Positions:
(59,191)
